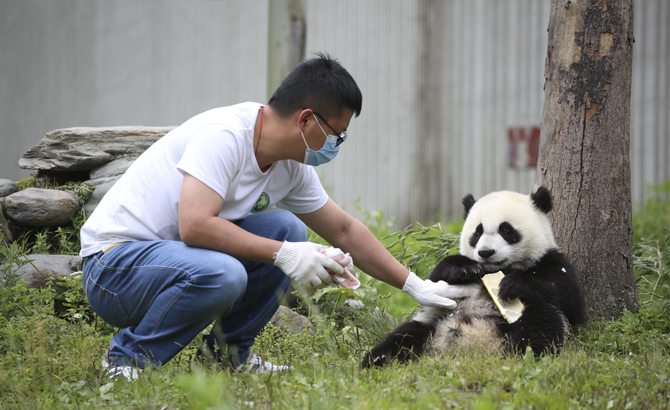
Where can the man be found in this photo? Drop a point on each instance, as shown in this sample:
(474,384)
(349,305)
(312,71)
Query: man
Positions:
(184,239)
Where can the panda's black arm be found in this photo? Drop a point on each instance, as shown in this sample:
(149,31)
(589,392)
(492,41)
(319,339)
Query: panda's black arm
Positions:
(554,281)
(542,282)
(406,342)
(457,269)
(568,295)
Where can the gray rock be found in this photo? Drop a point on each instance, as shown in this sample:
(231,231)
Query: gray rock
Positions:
(111,169)
(100,181)
(37,207)
(99,192)
(291,321)
(41,268)
(87,148)
(7,187)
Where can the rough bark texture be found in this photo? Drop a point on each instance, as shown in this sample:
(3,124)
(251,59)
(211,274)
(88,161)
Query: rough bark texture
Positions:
(287,33)
(585,144)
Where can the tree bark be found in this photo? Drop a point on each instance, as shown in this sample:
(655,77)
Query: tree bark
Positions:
(286,40)
(585,144)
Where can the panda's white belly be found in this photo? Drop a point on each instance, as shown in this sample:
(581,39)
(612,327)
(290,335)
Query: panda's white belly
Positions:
(471,327)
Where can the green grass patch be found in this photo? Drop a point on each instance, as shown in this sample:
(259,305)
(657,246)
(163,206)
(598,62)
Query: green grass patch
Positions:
(51,346)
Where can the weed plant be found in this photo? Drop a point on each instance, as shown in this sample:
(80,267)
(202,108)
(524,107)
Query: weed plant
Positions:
(50,354)
(651,253)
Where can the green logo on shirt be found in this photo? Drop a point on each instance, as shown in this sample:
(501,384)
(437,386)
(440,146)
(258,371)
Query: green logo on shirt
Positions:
(262,203)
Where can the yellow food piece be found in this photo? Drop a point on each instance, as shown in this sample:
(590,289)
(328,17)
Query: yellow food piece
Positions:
(512,310)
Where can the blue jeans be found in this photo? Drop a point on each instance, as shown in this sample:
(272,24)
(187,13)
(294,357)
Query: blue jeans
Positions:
(163,293)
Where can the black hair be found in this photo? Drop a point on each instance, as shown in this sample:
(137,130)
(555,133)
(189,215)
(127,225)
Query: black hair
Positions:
(321,84)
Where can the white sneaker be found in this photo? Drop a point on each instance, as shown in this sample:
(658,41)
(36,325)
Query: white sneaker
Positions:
(259,366)
(129,372)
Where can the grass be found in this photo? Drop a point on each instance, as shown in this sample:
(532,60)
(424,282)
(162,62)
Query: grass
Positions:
(50,352)
(54,364)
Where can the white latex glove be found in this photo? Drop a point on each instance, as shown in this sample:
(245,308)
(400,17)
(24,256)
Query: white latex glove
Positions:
(306,265)
(429,293)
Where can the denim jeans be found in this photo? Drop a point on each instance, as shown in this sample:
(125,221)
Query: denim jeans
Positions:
(163,293)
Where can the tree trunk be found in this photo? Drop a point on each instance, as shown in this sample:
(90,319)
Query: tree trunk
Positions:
(286,40)
(584,149)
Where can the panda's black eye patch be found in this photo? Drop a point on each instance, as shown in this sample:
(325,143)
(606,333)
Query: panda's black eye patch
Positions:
(509,234)
(476,235)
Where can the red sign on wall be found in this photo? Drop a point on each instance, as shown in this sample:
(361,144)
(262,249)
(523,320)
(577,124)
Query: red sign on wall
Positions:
(524,146)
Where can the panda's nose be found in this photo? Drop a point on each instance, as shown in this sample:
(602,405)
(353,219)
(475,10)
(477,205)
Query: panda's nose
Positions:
(486,253)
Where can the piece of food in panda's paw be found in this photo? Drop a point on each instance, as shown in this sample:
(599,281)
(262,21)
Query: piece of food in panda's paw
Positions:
(511,310)
(347,278)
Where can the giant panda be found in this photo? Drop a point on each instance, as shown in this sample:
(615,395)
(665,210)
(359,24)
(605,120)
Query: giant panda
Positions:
(503,231)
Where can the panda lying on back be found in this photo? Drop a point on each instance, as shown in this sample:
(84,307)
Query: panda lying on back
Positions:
(503,231)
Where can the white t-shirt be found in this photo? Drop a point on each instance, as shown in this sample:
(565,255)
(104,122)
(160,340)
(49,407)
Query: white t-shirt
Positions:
(216,147)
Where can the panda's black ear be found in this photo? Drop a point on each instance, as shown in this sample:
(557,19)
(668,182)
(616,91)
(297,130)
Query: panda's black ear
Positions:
(468,201)
(542,199)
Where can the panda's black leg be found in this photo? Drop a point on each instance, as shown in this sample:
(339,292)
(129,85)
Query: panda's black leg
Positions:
(406,342)
(457,269)
(542,327)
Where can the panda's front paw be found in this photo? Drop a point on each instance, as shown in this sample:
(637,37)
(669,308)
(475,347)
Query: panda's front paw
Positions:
(457,269)
(509,289)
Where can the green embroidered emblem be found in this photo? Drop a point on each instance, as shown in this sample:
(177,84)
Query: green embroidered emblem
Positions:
(262,203)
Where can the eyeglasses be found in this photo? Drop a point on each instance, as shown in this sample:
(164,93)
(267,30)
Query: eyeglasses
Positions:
(340,137)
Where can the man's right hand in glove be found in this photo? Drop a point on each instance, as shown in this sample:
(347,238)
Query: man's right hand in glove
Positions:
(306,265)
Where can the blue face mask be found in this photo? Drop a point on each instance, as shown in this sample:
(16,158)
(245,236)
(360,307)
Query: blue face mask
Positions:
(325,154)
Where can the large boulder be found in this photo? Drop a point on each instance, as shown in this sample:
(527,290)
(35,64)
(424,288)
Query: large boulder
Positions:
(38,270)
(35,207)
(87,148)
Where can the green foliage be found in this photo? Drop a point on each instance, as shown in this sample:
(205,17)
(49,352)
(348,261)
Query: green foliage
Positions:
(81,190)
(630,334)
(14,297)
(61,240)
(421,247)
(351,320)
(69,301)
(33,182)
(651,250)
(652,271)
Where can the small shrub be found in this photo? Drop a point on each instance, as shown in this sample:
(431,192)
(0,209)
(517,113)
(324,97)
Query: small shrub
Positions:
(81,190)
(34,182)
(60,240)
(652,272)
(651,248)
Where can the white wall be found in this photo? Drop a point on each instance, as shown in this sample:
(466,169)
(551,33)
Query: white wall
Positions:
(442,83)
(103,63)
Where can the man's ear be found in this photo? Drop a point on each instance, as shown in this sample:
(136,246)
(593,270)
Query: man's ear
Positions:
(304,116)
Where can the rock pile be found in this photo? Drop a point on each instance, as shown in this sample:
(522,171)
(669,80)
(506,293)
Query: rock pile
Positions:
(96,156)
